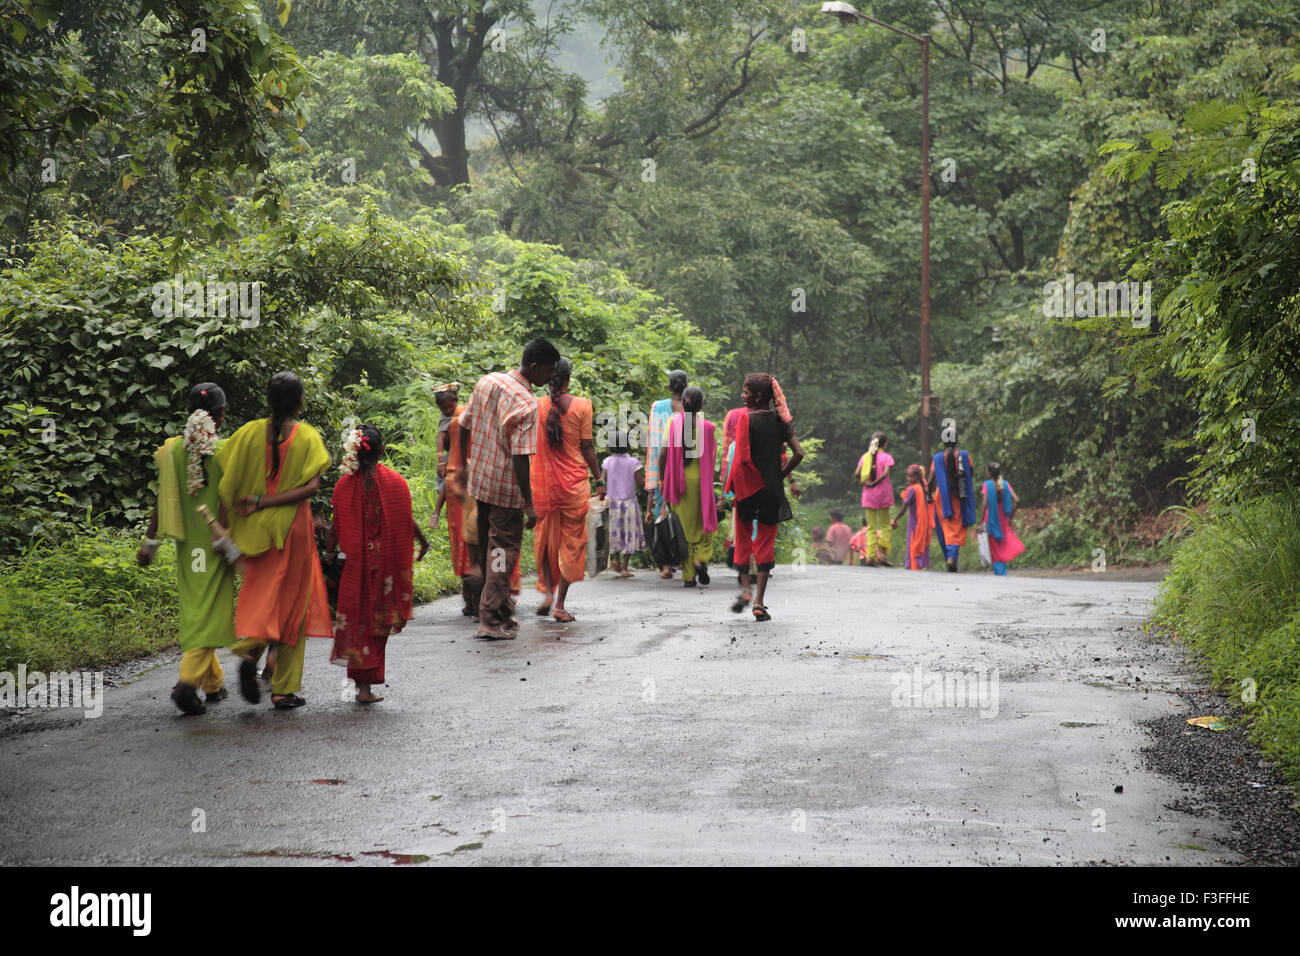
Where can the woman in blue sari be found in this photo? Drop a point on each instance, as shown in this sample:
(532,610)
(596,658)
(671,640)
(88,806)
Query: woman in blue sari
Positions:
(955,499)
(999,505)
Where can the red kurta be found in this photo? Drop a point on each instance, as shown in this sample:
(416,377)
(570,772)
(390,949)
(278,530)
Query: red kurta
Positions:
(372,520)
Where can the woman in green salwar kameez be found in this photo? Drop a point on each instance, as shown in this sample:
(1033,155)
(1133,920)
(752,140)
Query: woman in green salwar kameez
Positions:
(686,462)
(189,476)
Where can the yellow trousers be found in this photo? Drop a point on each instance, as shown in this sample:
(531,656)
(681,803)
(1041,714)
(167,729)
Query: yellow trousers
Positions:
(201,669)
(699,543)
(878,530)
(287,678)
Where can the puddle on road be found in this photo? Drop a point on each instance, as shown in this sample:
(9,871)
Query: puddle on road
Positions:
(400,859)
(298,855)
(463,846)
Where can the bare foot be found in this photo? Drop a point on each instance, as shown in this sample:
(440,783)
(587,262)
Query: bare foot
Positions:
(366,697)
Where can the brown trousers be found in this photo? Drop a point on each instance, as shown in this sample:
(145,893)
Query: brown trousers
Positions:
(500,536)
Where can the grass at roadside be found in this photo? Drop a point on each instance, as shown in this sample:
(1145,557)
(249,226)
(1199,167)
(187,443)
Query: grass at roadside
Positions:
(83,603)
(1233,596)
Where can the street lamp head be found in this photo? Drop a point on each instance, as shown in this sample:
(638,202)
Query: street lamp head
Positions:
(845,12)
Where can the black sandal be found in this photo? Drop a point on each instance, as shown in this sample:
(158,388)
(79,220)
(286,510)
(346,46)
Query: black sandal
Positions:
(740,603)
(760,613)
(187,699)
(288,702)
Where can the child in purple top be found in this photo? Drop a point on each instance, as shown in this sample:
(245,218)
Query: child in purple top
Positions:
(623,478)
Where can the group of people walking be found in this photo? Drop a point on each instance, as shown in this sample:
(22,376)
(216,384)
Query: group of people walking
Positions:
(507,461)
(244,505)
(695,479)
(938,499)
(501,470)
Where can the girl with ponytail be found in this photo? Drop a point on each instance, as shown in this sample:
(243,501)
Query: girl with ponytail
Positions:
(757,478)
(998,504)
(565,458)
(877,495)
(189,476)
(271,468)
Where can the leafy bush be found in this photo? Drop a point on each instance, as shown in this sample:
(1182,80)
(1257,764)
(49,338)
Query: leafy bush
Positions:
(80,335)
(1233,596)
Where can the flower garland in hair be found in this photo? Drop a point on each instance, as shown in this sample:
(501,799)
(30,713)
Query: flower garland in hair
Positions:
(782,409)
(349,464)
(200,441)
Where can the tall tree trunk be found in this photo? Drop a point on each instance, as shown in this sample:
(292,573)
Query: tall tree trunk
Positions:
(452,167)
(1018,247)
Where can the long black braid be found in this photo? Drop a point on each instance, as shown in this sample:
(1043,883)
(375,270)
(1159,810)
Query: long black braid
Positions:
(284,395)
(555,418)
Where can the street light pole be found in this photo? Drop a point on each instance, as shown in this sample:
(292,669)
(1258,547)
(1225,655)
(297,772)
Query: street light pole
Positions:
(925,247)
(848,14)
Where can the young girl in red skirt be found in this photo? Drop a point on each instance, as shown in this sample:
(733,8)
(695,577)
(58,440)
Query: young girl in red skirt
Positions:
(376,533)
(758,480)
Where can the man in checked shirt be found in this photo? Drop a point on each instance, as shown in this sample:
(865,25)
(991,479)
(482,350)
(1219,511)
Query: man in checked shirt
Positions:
(499,428)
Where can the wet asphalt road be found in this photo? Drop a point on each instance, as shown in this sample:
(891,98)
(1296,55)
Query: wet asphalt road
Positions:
(657,729)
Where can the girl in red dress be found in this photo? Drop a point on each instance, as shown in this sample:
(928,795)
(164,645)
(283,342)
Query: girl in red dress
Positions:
(375,532)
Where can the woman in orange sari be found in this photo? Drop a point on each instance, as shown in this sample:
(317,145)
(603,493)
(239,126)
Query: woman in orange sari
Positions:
(566,455)
(270,470)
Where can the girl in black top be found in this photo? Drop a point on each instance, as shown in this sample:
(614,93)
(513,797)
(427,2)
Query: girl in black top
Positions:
(758,479)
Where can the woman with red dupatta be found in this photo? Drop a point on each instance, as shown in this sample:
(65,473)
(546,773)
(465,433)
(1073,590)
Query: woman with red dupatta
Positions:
(758,477)
(375,530)
(566,455)
(920,520)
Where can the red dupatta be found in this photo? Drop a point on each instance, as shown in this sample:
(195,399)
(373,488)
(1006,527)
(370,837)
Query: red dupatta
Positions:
(372,519)
(744,479)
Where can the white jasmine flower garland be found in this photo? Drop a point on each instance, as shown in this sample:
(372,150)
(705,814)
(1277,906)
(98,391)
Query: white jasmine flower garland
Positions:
(200,441)
(350,445)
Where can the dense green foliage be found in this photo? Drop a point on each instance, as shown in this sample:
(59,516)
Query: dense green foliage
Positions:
(1229,333)
(1230,320)
(102,95)
(83,339)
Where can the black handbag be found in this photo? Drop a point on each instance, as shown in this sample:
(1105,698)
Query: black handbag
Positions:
(669,539)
